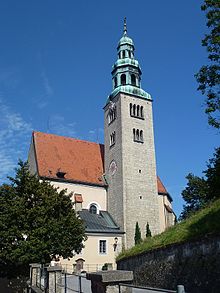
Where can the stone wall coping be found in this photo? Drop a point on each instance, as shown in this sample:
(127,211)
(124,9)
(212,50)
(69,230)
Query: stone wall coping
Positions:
(54,269)
(111,276)
(35,265)
(203,239)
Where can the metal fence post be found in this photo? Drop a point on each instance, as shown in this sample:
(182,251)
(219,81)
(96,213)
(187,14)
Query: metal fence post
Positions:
(80,284)
(180,289)
(65,283)
(119,288)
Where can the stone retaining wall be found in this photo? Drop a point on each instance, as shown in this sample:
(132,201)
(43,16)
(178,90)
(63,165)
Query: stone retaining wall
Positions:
(195,264)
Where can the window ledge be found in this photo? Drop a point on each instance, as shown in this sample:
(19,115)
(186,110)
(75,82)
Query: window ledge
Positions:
(138,117)
(111,146)
(138,141)
(111,121)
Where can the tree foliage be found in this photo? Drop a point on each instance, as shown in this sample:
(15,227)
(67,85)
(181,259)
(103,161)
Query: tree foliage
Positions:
(137,236)
(36,222)
(201,190)
(148,231)
(209,75)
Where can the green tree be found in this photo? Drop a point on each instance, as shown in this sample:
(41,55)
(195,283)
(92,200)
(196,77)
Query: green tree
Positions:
(37,221)
(148,231)
(201,190)
(213,175)
(137,236)
(209,75)
(195,195)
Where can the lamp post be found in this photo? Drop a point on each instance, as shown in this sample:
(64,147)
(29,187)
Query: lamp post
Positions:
(115,244)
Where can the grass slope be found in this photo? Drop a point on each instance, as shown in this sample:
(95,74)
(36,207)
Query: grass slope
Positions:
(204,222)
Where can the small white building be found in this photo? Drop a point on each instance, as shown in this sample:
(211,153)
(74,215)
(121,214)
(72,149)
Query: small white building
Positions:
(113,185)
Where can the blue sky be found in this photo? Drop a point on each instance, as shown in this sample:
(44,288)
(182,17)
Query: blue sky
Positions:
(55,76)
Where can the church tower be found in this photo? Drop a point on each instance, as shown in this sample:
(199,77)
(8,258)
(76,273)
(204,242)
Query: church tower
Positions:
(130,166)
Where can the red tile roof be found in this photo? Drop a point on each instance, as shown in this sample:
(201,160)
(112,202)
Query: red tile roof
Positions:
(77,160)
(160,186)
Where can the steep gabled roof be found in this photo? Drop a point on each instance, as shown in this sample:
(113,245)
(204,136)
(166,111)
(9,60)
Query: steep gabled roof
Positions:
(60,157)
(162,190)
(69,159)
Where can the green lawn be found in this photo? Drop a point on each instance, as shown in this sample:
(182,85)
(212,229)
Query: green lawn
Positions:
(204,222)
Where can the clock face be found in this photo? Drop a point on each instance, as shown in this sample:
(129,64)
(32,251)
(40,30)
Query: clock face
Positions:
(112,168)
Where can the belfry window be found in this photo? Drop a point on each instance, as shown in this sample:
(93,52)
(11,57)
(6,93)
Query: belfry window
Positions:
(136,111)
(123,79)
(142,114)
(123,54)
(112,115)
(133,79)
(112,139)
(138,135)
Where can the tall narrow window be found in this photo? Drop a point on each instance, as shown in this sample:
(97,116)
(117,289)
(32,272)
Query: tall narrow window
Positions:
(112,139)
(134,110)
(138,135)
(112,114)
(141,136)
(123,79)
(102,247)
(138,110)
(123,54)
(142,113)
(133,79)
(131,109)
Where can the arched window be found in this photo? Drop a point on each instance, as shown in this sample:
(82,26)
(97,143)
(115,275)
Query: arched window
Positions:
(123,79)
(123,54)
(93,209)
(141,136)
(112,139)
(131,109)
(112,114)
(142,113)
(138,110)
(133,79)
(116,82)
(134,110)
(137,135)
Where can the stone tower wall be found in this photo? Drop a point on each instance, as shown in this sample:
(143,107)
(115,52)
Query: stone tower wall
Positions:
(115,201)
(132,192)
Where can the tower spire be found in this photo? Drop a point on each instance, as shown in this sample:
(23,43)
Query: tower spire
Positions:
(125,27)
